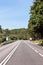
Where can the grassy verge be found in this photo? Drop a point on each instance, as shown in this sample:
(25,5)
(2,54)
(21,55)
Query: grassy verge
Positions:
(10,41)
(40,42)
(6,42)
(0,44)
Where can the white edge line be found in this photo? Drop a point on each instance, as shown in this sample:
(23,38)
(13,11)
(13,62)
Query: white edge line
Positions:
(41,54)
(9,56)
(35,50)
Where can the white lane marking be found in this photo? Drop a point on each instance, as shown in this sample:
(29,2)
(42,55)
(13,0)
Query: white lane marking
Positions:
(9,56)
(41,54)
(34,50)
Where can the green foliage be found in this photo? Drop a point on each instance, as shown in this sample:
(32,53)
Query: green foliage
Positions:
(36,19)
(0,29)
(7,32)
(19,33)
(14,34)
(40,42)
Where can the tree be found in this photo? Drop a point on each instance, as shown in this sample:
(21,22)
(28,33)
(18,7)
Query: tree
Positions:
(36,19)
(7,32)
(0,29)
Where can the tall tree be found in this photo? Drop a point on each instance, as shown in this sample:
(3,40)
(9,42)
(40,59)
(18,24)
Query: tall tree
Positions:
(36,19)
(0,29)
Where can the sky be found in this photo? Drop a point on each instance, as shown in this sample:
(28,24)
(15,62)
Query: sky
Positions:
(15,14)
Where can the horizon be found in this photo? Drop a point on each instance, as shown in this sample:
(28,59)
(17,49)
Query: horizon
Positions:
(15,14)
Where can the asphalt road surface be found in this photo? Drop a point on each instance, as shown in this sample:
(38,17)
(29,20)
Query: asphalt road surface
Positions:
(21,52)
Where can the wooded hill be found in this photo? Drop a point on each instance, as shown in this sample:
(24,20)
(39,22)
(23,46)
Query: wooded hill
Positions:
(14,34)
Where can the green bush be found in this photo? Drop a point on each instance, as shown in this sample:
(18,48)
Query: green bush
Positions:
(41,43)
(2,40)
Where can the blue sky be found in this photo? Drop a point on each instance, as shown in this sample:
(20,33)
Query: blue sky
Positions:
(15,13)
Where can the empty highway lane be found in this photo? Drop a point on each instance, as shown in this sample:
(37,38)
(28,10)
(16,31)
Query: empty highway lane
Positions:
(21,52)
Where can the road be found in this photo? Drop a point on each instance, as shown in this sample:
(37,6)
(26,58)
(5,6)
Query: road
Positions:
(21,52)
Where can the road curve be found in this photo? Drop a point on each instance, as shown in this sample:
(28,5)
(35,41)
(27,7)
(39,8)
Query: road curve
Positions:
(24,53)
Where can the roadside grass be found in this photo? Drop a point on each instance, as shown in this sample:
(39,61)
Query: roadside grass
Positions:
(0,44)
(39,42)
(6,42)
(10,41)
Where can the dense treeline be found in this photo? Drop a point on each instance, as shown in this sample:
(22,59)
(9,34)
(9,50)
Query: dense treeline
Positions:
(13,34)
(35,25)
(19,33)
